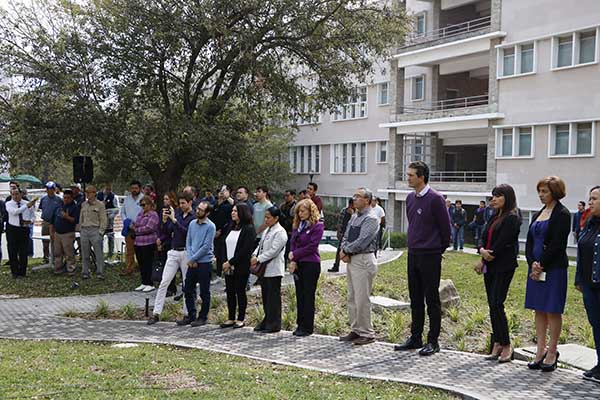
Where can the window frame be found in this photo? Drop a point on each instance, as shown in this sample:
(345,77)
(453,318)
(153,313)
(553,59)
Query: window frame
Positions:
(336,115)
(575,49)
(516,133)
(380,144)
(299,157)
(571,153)
(380,91)
(517,60)
(337,163)
(416,26)
(413,85)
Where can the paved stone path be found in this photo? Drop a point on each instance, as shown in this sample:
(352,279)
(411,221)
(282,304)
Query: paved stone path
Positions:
(464,373)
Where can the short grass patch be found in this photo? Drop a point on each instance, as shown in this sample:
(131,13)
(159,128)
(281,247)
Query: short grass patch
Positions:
(80,370)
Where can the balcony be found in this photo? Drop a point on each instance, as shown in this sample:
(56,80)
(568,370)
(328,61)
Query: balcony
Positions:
(451,32)
(458,176)
(448,104)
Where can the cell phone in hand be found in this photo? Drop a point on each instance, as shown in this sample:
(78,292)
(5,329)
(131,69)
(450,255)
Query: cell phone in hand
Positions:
(542,277)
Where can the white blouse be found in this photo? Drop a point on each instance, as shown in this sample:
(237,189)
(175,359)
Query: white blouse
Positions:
(231,242)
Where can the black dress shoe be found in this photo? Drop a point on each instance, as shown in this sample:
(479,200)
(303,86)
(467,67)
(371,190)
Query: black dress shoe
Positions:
(226,324)
(361,340)
(550,367)
(349,337)
(153,319)
(429,349)
(271,330)
(410,344)
(536,364)
(178,297)
(199,322)
(184,321)
(334,269)
(300,333)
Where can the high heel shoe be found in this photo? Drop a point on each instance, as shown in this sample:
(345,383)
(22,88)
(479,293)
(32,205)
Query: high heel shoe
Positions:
(492,357)
(502,360)
(537,364)
(550,367)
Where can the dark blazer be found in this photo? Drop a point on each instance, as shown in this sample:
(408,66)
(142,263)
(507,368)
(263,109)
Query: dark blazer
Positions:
(555,244)
(504,244)
(244,248)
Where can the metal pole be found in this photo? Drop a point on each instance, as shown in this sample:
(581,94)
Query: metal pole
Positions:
(147,308)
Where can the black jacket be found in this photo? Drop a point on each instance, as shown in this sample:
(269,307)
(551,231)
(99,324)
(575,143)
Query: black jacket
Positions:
(245,246)
(504,244)
(555,244)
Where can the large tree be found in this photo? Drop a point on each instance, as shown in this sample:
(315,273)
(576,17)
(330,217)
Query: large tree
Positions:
(168,85)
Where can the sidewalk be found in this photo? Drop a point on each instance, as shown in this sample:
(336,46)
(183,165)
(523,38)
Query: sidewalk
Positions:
(463,373)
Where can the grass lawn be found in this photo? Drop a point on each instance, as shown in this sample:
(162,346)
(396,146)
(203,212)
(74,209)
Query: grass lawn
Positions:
(44,283)
(464,328)
(77,370)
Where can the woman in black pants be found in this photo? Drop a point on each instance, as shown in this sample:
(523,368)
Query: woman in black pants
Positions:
(499,261)
(240,238)
(305,262)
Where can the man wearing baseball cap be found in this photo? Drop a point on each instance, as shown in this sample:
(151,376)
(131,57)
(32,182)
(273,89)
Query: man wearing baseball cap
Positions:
(48,205)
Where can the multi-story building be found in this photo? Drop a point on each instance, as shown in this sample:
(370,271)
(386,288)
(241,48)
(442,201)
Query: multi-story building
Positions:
(508,97)
(485,92)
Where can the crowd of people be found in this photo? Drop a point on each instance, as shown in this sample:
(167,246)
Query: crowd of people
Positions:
(190,233)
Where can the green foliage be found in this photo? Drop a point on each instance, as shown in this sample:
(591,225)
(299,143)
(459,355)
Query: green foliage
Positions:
(102,309)
(398,240)
(201,86)
(453,314)
(129,311)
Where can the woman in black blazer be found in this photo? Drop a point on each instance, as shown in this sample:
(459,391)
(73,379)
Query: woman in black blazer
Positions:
(546,251)
(499,244)
(240,238)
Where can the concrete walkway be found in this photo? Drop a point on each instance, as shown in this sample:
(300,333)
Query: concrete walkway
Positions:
(464,373)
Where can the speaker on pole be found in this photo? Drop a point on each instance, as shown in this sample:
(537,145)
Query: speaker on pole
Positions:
(83,169)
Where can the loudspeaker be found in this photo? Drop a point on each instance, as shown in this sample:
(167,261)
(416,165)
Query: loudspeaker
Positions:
(83,169)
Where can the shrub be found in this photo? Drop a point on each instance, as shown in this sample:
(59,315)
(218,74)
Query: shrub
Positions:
(102,309)
(330,213)
(398,240)
(129,311)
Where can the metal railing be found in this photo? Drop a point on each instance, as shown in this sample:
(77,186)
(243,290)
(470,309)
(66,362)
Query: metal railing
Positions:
(458,176)
(448,31)
(450,104)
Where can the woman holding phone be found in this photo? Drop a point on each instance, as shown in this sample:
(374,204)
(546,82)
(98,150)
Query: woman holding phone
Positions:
(546,252)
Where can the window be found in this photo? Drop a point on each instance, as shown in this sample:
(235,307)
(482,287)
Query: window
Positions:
(507,143)
(305,159)
(355,153)
(382,152)
(308,117)
(524,142)
(577,48)
(527,51)
(572,140)
(587,47)
(418,88)
(508,61)
(382,94)
(565,51)
(514,142)
(417,147)
(420,24)
(355,108)
(516,60)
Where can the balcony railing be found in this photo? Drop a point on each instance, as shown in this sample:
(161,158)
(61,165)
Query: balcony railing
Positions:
(448,31)
(458,176)
(450,104)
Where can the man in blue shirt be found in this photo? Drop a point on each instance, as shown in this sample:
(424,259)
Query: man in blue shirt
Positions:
(49,204)
(66,218)
(577,220)
(129,212)
(200,254)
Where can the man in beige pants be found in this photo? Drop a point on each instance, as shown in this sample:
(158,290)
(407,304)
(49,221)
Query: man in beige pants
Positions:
(358,251)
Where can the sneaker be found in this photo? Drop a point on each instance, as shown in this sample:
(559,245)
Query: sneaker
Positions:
(148,288)
(139,288)
(85,276)
(100,277)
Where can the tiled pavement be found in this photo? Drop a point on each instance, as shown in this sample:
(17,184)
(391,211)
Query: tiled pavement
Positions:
(463,373)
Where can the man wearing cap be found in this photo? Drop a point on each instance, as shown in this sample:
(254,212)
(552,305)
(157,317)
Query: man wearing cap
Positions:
(48,205)
(78,197)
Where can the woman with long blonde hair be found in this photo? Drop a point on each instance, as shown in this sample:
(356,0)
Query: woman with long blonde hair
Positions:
(305,262)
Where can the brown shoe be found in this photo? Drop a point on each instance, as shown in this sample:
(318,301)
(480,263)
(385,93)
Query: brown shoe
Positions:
(349,337)
(361,340)
(126,272)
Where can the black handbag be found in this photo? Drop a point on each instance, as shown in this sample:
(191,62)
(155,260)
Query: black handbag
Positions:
(260,267)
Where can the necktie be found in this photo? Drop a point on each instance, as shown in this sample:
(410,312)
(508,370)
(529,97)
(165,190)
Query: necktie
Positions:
(20,215)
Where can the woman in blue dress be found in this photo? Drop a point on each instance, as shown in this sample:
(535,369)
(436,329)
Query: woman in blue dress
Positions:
(546,252)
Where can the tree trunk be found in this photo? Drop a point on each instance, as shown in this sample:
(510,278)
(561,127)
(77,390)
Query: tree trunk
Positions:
(166,180)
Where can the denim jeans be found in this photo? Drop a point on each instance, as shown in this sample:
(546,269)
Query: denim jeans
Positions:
(458,235)
(478,232)
(200,274)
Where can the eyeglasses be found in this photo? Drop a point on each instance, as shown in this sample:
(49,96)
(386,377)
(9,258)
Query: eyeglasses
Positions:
(143,204)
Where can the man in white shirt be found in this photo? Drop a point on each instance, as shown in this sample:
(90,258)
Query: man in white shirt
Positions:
(21,216)
(380,212)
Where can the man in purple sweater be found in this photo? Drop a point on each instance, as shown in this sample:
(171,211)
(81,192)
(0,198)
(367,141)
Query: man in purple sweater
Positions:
(428,238)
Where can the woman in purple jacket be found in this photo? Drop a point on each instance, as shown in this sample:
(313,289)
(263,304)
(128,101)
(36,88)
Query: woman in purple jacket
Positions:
(146,234)
(305,262)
